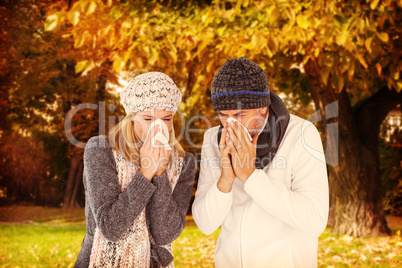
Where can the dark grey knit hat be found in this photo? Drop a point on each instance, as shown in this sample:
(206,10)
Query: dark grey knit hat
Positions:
(240,84)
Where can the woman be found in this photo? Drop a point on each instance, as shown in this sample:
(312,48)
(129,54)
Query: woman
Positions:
(137,191)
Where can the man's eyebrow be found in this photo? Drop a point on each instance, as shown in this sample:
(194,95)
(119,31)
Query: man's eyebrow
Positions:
(238,113)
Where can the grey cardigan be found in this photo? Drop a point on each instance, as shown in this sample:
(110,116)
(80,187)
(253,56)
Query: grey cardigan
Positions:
(114,211)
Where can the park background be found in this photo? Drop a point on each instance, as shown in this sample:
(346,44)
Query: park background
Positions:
(58,55)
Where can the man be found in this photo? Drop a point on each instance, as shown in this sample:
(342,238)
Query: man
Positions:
(269,195)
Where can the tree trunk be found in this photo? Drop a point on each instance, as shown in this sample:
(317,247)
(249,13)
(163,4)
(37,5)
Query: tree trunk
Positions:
(74,182)
(97,125)
(355,188)
(356,197)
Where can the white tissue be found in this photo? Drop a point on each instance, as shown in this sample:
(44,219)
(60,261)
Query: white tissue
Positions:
(231,119)
(162,135)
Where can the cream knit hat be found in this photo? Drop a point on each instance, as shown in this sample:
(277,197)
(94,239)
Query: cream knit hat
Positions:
(153,91)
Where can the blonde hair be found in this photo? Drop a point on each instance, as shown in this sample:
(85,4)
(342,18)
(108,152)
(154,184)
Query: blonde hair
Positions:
(123,139)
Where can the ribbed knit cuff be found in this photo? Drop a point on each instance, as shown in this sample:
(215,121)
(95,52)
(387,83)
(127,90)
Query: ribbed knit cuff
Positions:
(161,181)
(142,185)
(240,101)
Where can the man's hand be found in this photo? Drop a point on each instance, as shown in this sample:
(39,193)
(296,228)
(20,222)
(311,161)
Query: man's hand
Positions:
(227,174)
(243,151)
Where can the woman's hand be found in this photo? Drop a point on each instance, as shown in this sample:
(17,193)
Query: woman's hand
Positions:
(149,155)
(164,156)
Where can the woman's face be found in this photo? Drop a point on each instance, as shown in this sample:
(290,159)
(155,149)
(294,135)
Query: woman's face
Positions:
(143,120)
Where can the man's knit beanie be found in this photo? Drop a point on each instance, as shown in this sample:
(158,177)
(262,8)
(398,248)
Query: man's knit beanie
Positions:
(240,84)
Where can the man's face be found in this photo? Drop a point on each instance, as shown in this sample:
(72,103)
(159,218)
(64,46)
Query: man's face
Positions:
(252,119)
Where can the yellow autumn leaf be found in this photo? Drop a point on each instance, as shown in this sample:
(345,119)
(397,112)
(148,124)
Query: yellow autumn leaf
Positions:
(324,75)
(273,16)
(172,56)
(89,66)
(126,24)
(291,13)
(269,53)
(210,66)
(137,62)
(118,64)
(374,4)
(170,45)
(379,68)
(51,22)
(154,57)
(302,21)
(221,30)
(339,82)
(82,39)
(367,43)
(273,44)
(91,8)
(73,17)
(238,6)
(394,72)
(80,66)
(398,86)
(259,41)
(383,37)
(362,60)
(341,38)
(351,70)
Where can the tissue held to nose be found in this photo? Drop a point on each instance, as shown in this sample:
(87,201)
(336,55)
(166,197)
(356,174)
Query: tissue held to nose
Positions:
(231,119)
(162,135)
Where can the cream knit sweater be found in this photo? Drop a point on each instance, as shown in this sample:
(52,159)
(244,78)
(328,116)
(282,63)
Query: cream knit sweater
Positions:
(275,217)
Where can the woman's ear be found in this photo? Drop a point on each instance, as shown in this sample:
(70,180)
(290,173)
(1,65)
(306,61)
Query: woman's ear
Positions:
(131,117)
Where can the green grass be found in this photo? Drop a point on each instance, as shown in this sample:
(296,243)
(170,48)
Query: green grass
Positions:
(40,246)
(193,248)
(346,251)
(42,237)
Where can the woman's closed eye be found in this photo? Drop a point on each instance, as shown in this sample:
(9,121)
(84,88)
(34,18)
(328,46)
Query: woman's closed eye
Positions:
(165,119)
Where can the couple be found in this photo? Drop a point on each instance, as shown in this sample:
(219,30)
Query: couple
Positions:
(268,194)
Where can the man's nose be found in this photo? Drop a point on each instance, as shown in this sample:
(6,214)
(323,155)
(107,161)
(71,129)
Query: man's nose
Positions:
(225,124)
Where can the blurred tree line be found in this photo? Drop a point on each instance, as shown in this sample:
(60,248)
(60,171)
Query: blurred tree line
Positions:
(58,54)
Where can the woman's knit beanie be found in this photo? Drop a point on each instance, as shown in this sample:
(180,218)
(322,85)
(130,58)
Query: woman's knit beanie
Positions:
(153,91)
(240,84)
